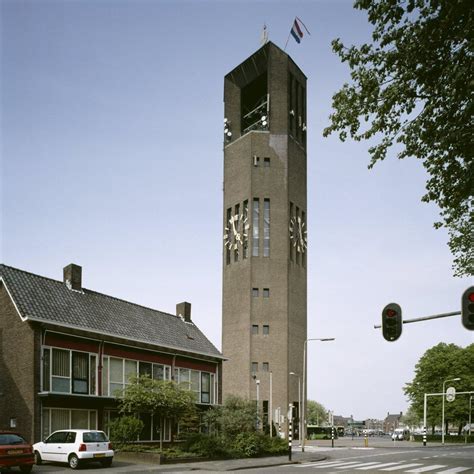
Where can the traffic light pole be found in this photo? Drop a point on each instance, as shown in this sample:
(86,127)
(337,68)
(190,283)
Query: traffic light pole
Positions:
(425,318)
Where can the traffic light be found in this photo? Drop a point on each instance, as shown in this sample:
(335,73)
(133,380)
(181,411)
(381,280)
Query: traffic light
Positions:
(392,322)
(467,308)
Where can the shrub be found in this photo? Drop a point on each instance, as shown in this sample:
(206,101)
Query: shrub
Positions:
(204,445)
(125,429)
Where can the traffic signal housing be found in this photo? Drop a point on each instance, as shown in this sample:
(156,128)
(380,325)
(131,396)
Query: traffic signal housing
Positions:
(467,308)
(392,322)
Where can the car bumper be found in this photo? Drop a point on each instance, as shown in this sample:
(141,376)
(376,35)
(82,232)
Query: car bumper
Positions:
(17,460)
(94,455)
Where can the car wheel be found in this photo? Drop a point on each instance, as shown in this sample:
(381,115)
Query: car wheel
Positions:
(73,461)
(106,462)
(38,459)
(26,468)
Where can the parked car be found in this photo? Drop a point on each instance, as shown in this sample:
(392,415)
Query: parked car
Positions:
(75,447)
(15,452)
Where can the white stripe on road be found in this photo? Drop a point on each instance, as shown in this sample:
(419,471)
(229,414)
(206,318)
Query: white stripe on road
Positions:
(454,470)
(428,468)
(401,466)
(386,464)
(339,463)
(356,466)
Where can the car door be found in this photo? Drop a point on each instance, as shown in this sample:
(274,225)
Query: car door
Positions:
(53,446)
(67,446)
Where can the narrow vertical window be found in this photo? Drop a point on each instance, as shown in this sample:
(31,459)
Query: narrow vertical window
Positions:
(266,162)
(266,330)
(227,236)
(266,228)
(237,226)
(80,372)
(46,370)
(289,240)
(255,227)
(266,292)
(92,375)
(255,292)
(296,249)
(265,366)
(245,239)
(254,367)
(254,329)
(303,250)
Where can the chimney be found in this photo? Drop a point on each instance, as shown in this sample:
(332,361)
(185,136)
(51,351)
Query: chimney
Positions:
(73,277)
(183,310)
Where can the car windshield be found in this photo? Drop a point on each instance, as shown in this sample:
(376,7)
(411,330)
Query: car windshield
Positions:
(94,437)
(8,439)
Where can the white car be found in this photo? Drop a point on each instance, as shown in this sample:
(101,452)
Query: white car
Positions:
(75,447)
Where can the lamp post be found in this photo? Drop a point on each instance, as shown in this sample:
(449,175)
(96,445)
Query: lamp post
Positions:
(257,381)
(470,408)
(299,403)
(442,415)
(326,339)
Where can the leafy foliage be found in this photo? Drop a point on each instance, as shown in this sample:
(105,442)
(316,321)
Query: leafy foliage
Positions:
(316,414)
(125,429)
(440,363)
(235,416)
(412,87)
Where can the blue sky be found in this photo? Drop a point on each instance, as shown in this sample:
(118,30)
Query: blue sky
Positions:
(111,134)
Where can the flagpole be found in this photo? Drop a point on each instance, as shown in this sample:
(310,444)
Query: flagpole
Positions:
(288,39)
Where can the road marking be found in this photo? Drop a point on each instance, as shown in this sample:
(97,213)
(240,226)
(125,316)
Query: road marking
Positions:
(401,466)
(355,466)
(453,470)
(386,464)
(340,464)
(428,468)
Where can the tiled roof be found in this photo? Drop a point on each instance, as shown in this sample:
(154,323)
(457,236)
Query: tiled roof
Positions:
(50,301)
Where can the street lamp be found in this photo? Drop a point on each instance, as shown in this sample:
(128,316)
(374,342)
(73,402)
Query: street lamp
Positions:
(325,339)
(470,408)
(442,416)
(257,381)
(299,403)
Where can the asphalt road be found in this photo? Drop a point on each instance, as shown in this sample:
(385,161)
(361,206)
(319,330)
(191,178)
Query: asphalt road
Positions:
(397,459)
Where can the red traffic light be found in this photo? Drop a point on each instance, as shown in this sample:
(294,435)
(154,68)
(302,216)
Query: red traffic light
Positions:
(392,322)
(467,308)
(470,297)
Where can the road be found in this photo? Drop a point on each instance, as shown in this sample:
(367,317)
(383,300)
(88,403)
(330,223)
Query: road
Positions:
(380,457)
(398,459)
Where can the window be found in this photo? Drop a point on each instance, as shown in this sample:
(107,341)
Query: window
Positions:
(116,375)
(266,330)
(265,366)
(266,292)
(201,383)
(266,228)
(245,223)
(61,371)
(46,370)
(266,162)
(254,328)
(80,372)
(254,366)
(255,292)
(237,225)
(54,419)
(205,387)
(289,240)
(227,251)
(145,368)
(255,227)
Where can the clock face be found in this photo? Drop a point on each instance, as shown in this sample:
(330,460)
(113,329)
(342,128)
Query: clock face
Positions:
(298,234)
(236,232)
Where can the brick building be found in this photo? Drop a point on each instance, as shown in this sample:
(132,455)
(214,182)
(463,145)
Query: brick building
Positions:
(392,422)
(65,350)
(264,223)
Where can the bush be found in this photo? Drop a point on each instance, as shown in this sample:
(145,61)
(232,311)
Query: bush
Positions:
(125,429)
(205,445)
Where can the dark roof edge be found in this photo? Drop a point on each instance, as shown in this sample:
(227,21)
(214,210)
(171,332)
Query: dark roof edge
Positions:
(118,336)
(23,318)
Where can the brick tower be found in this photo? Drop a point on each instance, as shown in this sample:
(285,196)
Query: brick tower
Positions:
(264,224)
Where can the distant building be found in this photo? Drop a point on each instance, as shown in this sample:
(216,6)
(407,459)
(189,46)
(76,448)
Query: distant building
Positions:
(392,422)
(65,350)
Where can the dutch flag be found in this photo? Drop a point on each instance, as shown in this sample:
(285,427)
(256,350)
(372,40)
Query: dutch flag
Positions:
(296,31)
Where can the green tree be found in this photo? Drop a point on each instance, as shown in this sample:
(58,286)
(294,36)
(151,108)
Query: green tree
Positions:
(440,363)
(411,89)
(125,429)
(315,413)
(164,399)
(411,418)
(236,415)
